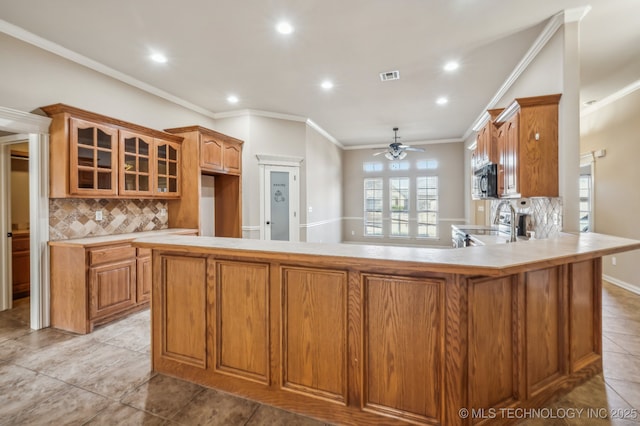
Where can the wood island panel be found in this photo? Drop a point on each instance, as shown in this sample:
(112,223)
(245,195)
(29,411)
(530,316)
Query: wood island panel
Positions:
(374,335)
(315,332)
(544,311)
(493,366)
(403,340)
(242,319)
(184,313)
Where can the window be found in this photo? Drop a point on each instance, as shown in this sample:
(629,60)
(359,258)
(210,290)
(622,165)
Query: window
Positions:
(427,206)
(585,203)
(373,207)
(399,206)
(372,166)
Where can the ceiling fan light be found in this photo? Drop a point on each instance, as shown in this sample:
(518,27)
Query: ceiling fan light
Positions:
(402,155)
(389,156)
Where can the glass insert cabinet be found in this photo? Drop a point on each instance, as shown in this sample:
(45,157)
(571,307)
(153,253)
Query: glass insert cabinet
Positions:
(92,155)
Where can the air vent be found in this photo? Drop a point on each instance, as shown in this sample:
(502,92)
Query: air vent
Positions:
(390,75)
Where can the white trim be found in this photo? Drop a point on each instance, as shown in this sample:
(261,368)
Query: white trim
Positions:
(5,226)
(429,142)
(258,113)
(507,112)
(251,228)
(627,286)
(320,223)
(627,90)
(279,160)
(576,14)
(484,119)
(323,132)
(38,128)
(12,120)
(555,22)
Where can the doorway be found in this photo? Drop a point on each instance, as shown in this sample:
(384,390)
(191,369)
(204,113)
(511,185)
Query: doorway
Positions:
(18,126)
(18,200)
(279,198)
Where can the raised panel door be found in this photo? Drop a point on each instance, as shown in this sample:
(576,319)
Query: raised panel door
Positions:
(232,158)
(242,320)
(20,266)
(143,279)
(136,161)
(511,156)
(403,347)
(211,154)
(315,332)
(93,158)
(112,288)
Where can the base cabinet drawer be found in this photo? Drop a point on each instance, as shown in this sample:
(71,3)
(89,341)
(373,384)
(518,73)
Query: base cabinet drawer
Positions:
(112,288)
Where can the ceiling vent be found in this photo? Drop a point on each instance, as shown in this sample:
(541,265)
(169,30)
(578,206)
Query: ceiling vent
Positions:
(390,75)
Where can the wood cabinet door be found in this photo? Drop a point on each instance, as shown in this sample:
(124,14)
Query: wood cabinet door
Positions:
(136,164)
(143,279)
(211,154)
(511,156)
(167,169)
(93,159)
(232,158)
(112,288)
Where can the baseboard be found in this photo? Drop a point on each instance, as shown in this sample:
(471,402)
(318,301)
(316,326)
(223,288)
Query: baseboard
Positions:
(632,288)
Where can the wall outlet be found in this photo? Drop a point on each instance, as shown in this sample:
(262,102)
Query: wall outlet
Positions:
(614,260)
(98,215)
(163,212)
(310,209)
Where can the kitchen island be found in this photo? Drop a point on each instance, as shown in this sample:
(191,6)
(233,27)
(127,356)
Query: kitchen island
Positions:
(357,334)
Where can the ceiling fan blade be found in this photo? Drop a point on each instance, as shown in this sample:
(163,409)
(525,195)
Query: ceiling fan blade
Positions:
(381,152)
(410,148)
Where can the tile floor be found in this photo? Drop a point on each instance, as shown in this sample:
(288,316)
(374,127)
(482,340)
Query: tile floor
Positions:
(52,377)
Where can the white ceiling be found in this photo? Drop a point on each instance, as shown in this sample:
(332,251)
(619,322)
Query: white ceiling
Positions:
(219,47)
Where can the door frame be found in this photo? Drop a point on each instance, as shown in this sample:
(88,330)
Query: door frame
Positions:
(35,128)
(268,163)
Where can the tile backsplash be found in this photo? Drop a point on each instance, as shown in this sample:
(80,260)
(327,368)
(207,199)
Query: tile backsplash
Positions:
(76,218)
(545,215)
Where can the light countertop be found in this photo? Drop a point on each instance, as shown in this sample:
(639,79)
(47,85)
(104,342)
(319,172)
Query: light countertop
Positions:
(495,259)
(120,238)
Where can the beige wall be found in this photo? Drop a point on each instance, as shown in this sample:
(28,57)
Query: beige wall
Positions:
(616,128)
(32,78)
(323,189)
(450,171)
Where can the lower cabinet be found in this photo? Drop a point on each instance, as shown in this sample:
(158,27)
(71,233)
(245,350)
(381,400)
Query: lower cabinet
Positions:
(98,284)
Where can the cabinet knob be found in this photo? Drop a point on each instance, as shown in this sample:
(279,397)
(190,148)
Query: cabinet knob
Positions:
(268,223)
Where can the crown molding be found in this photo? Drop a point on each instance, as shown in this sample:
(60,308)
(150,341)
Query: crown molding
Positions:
(627,90)
(555,22)
(323,132)
(12,120)
(28,37)
(382,146)
(258,113)
(576,14)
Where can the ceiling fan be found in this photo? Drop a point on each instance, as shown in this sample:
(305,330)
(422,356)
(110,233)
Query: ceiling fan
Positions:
(396,150)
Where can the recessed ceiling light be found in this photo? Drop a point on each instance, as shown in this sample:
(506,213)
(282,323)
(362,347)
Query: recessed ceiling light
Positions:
(451,66)
(284,27)
(442,100)
(159,58)
(232,99)
(327,85)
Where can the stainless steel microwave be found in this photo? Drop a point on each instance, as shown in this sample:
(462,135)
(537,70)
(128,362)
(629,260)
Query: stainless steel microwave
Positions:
(485,182)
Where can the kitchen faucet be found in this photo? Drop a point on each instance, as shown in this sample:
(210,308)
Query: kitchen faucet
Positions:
(512,220)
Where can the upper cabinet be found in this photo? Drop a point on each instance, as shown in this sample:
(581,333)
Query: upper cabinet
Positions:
(220,153)
(97,156)
(486,151)
(527,141)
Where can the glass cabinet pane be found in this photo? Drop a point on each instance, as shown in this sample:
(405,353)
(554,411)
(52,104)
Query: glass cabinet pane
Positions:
(162,184)
(104,140)
(162,167)
(173,185)
(143,165)
(85,179)
(143,183)
(104,180)
(130,145)
(85,136)
(173,169)
(143,148)
(129,163)
(130,182)
(162,151)
(85,157)
(173,153)
(104,159)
